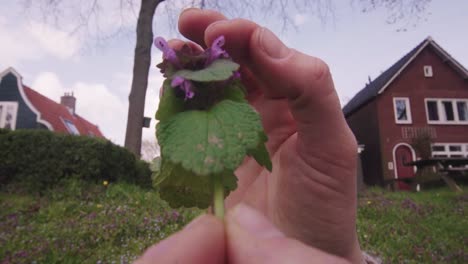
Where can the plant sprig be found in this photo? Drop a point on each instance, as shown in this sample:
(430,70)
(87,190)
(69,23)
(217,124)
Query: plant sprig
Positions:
(206,127)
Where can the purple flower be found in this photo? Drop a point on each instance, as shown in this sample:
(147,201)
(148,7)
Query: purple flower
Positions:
(236,75)
(215,51)
(193,60)
(168,53)
(184,85)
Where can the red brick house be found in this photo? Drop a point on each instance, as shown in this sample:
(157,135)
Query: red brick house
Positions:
(23,108)
(426,91)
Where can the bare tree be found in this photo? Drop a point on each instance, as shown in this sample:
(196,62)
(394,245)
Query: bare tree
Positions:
(86,16)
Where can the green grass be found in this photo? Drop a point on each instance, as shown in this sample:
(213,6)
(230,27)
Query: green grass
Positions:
(89,223)
(84,223)
(405,227)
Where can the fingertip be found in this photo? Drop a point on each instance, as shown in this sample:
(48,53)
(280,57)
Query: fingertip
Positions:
(237,33)
(177,44)
(194,21)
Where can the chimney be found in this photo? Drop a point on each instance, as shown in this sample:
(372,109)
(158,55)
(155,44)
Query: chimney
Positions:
(69,101)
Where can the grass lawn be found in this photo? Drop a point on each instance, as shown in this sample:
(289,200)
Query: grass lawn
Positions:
(84,224)
(404,227)
(80,223)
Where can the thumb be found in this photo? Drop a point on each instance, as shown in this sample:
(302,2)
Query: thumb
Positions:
(252,238)
(201,241)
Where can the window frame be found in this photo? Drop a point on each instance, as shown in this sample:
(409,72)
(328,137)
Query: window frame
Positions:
(446,152)
(441,111)
(408,110)
(428,73)
(5,104)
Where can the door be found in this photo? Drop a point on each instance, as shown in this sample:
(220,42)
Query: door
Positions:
(403,155)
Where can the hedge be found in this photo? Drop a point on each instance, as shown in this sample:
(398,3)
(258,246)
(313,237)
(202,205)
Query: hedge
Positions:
(38,159)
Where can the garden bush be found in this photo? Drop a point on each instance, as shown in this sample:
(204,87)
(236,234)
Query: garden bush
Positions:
(38,159)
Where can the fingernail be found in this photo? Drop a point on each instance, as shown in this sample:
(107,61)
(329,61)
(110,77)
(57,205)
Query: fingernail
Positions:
(272,45)
(254,222)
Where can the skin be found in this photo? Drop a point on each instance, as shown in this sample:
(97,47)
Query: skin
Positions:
(310,196)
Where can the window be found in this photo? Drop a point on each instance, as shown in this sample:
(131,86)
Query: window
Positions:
(8,112)
(450,150)
(462,109)
(428,71)
(433,114)
(402,110)
(438,148)
(71,127)
(447,111)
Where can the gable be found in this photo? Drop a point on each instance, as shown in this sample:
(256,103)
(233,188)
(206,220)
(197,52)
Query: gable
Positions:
(11,90)
(445,81)
(378,86)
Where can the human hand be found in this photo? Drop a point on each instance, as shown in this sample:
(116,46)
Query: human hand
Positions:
(311,193)
(246,237)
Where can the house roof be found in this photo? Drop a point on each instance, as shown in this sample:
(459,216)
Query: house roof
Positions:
(56,114)
(378,85)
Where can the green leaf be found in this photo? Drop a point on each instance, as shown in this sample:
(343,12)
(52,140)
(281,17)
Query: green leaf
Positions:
(235,92)
(169,104)
(260,153)
(182,188)
(210,142)
(219,70)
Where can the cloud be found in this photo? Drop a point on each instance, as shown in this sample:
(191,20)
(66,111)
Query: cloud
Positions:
(299,19)
(16,46)
(48,84)
(57,43)
(21,42)
(96,103)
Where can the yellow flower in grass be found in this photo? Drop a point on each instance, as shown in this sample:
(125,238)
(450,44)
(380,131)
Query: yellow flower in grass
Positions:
(369,202)
(105,183)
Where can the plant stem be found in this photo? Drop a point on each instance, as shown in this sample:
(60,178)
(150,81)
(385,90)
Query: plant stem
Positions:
(218,197)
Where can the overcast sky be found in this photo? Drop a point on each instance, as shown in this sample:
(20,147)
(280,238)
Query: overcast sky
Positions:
(354,44)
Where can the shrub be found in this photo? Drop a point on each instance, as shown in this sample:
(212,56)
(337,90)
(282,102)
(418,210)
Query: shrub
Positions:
(37,159)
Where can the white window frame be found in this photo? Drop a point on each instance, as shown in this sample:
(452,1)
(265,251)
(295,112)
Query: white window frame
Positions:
(72,132)
(428,71)
(441,113)
(5,104)
(408,110)
(446,152)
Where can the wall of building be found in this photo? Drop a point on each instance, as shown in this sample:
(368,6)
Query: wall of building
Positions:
(9,91)
(411,83)
(364,125)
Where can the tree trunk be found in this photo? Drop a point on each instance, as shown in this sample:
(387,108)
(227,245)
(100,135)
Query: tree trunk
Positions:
(141,64)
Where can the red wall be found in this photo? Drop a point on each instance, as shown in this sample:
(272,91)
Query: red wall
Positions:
(445,83)
(365,126)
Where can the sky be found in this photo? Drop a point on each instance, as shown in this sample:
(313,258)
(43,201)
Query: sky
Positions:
(54,59)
